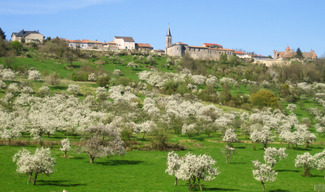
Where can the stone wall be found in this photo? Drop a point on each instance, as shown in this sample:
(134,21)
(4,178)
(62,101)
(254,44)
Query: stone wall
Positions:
(201,53)
(34,37)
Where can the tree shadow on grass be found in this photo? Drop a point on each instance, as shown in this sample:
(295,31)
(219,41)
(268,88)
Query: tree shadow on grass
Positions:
(219,189)
(61,183)
(317,176)
(237,163)
(58,87)
(287,170)
(302,149)
(78,158)
(278,190)
(240,147)
(119,162)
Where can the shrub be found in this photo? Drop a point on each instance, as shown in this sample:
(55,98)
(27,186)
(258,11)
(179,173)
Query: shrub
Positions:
(53,79)
(44,91)
(103,80)
(264,98)
(79,76)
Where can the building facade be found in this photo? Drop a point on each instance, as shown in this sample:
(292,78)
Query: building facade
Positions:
(27,37)
(126,43)
(290,53)
(143,47)
(208,51)
(85,44)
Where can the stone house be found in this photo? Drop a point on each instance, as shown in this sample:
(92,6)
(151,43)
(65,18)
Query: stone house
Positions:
(27,37)
(124,42)
(158,52)
(110,46)
(208,51)
(143,47)
(85,44)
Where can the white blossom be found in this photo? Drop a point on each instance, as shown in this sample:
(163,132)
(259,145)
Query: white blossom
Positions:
(92,77)
(306,161)
(263,173)
(34,75)
(272,155)
(73,89)
(40,162)
(65,146)
(230,137)
(8,75)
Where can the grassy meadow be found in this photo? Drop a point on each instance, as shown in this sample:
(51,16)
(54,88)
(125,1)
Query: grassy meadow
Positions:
(141,169)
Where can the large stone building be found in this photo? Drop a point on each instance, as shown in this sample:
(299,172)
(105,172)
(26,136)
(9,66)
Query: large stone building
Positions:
(290,53)
(27,37)
(208,51)
(124,42)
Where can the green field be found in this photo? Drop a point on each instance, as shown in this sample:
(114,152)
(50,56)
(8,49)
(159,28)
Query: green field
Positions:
(145,171)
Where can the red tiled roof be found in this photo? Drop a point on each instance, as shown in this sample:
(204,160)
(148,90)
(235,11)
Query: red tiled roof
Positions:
(198,47)
(288,48)
(180,43)
(209,44)
(239,52)
(144,45)
(83,41)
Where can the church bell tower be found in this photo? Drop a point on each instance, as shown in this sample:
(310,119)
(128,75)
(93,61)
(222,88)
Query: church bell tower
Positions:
(168,40)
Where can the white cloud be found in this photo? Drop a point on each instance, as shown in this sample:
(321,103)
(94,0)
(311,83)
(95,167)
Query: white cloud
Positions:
(45,6)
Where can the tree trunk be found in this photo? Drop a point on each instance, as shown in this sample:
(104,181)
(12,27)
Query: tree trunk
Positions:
(199,184)
(34,183)
(194,180)
(227,159)
(254,146)
(263,187)
(30,178)
(91,159)
(265,144)
(41,142)
(189,185)
(9,142)
(306,172)
(175,184)
(65,154)
(144,134)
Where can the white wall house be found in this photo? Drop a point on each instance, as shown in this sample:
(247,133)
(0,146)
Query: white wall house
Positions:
(124,42)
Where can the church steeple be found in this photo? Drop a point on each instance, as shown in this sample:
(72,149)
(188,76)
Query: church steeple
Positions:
(169,41)
(168,32)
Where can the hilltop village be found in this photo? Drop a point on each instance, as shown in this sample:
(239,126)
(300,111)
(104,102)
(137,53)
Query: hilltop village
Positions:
(207,51)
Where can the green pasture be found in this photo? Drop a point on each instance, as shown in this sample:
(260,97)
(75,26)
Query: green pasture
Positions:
(145,171)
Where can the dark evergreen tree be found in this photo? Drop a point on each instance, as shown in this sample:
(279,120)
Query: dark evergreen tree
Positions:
(2,34)
(299,54)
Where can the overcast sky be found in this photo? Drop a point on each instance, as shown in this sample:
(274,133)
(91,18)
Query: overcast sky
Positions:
(252,25)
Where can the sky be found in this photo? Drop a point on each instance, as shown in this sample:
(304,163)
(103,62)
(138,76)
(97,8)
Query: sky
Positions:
(251,25)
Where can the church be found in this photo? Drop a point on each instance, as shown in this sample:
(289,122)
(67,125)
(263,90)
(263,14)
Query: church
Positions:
(290,53)
(208,51)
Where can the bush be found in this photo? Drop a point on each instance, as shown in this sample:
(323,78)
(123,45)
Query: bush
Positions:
(103,80)
(53,79)
(79,76)
(264,98)
(124,81)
